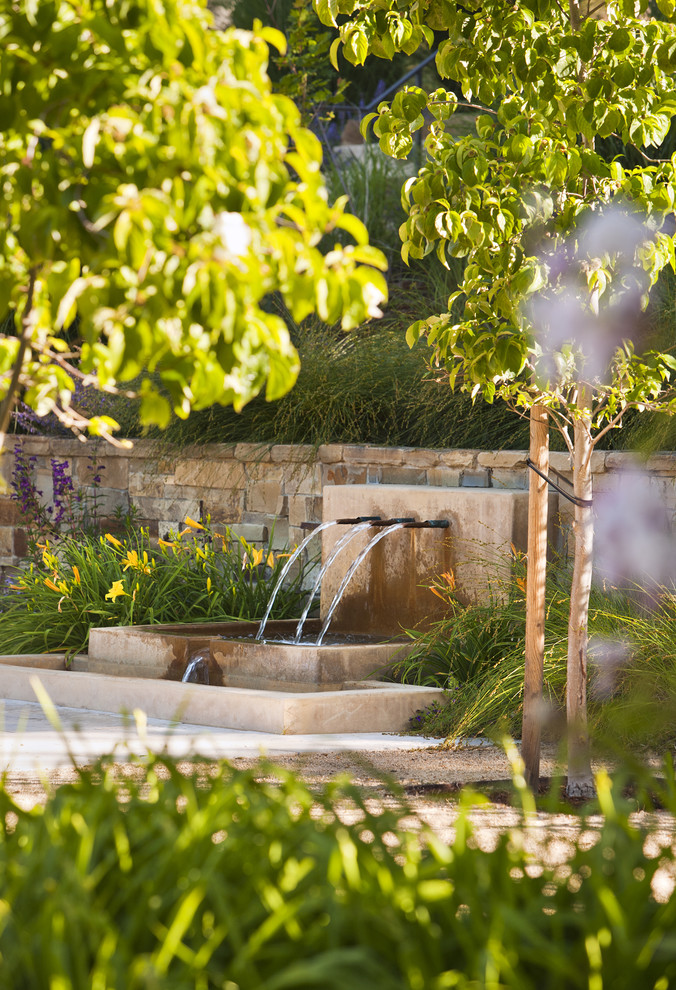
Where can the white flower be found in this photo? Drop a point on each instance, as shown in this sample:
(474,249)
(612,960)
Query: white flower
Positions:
(206,97)
(577,335)
(373,297)
(234,233)
(633,538)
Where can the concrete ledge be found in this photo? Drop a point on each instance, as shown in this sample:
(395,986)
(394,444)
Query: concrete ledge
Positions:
(379,708)
(41,661)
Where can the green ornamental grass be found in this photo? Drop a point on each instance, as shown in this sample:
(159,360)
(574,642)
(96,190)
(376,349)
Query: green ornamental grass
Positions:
(476,652)
(210,878)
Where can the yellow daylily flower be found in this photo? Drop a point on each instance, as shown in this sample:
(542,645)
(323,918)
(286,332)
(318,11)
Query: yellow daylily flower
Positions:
(76,574)
(50,584)
(193,525)
(113,540)
(271,560)
(256,557)
(166,543)
(116,591)
(134,561)
(209,585)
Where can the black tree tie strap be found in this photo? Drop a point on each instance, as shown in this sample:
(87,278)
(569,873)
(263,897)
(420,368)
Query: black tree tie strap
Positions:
(584,503)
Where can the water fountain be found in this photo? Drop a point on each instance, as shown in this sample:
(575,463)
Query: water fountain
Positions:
(266,677)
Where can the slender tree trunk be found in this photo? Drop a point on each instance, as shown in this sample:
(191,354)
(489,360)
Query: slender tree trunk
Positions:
(580,779)
(536,575)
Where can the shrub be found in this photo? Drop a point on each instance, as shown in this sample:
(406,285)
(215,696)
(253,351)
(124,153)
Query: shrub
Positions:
(365,387)
(215,878)
(105,581)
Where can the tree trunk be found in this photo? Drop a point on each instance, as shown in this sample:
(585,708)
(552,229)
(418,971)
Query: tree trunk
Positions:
(580,779)
(536,575)
(7,403)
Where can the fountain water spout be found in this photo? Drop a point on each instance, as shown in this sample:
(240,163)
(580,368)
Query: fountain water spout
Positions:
(355,528)
(294,556)
(390,526)
(197,668)
(285,570)
(428,524)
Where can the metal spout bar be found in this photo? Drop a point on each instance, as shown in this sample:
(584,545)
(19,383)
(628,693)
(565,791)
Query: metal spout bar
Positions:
(428,524)
(392,522)
(358,519)
(584,503)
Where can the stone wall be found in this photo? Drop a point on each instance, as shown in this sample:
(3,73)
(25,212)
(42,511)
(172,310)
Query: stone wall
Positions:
(269,491)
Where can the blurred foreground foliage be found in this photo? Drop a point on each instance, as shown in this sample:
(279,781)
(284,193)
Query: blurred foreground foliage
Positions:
(208,877)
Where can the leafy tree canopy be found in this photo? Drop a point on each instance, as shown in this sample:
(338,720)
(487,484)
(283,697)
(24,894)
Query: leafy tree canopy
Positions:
(544,79)
(156,191)
(561,246)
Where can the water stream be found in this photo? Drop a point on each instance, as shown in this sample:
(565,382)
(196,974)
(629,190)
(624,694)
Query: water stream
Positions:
(285,570)
(350,571)
(197,668)
(342,542)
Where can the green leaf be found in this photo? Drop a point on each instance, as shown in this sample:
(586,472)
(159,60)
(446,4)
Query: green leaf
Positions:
(333,53)
(326,11)
(620,40)
(354,226)
(155,410)
(616,171)
(485,126)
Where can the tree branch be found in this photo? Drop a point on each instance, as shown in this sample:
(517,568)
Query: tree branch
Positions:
(26,329)
(561,424)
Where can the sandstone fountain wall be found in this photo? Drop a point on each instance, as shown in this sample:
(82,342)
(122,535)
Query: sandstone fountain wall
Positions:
(259,490)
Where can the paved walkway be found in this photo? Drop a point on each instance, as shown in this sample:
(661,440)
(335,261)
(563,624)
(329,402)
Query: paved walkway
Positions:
(29,741)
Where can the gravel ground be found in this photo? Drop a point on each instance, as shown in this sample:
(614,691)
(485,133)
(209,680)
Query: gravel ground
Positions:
(430,780)
(414,770)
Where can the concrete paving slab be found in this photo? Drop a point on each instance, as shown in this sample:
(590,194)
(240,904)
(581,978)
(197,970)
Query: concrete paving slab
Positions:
(28,741)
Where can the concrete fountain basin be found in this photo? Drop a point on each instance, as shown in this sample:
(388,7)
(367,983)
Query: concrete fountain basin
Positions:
(262,686)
